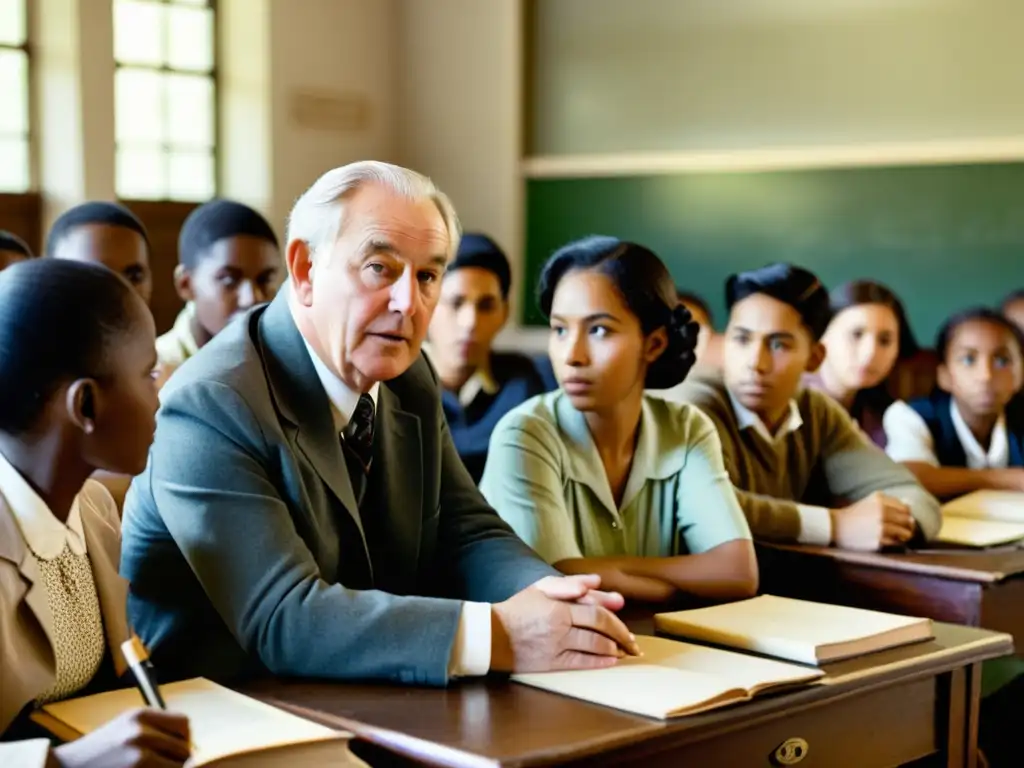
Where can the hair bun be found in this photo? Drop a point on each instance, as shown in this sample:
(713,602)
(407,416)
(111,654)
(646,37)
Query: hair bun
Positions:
(679,356)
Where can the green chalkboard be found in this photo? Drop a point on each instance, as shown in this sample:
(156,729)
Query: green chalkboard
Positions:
(942,237)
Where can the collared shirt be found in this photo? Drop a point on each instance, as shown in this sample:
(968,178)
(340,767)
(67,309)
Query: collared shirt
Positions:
(544,476)
(45,535)
(471,651)
(482,380)
(815,522)
(178,344)
(909,438)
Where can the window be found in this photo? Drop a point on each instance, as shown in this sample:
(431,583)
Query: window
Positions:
(14,120)
(165,99)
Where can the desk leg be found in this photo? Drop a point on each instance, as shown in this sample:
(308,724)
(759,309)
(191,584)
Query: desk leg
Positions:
(963,702)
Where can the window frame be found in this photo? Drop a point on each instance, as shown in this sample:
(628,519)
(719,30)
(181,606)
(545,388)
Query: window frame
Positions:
(30,103)
(213,75)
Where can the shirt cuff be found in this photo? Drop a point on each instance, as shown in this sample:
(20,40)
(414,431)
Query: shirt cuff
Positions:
(471,653)
(815,525)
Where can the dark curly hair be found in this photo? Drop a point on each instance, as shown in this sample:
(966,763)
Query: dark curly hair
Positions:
(645,285)
(786,283)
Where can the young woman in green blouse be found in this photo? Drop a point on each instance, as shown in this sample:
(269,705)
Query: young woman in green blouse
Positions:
(600,477)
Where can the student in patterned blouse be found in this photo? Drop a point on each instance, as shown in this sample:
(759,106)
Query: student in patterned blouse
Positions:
(599,477)
(77,353)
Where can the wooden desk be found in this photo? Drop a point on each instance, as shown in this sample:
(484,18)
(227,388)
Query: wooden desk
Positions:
(885,709)
(979,589)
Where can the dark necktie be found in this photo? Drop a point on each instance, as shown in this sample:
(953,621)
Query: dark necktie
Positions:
(358,441)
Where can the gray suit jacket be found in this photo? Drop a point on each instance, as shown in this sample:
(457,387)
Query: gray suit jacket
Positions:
(243,543)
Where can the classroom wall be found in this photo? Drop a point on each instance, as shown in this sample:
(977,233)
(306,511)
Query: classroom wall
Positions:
(663,75)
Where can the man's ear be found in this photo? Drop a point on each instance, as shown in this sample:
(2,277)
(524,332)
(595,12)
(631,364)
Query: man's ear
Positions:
(817,357)
(299,262)
(183,283)
(655,344)
(942,378)
(81,404)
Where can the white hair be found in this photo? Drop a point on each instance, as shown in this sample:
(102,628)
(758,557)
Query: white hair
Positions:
(316,217)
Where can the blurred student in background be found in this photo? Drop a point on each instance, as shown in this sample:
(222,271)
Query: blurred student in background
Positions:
(867,335)
(12,249)
(598,477)
(961,438)
(108,234)
(803,471)
(480,384)
(1013,308)
(228,262)
(76,395)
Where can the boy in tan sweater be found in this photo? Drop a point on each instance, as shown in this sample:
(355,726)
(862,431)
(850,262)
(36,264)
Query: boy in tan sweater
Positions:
(802,469)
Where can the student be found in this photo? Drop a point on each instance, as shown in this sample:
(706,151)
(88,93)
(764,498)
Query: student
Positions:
(76,394)
(12,249)
(108,234)
(866,337)
(803,471)
(480,385)
(959,439)
(600,478)
(1013,308)
(229,261)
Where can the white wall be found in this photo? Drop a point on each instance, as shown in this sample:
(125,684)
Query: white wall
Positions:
(460,108)
(676,75)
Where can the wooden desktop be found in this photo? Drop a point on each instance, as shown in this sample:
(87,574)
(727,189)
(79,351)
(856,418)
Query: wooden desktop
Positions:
(884,709)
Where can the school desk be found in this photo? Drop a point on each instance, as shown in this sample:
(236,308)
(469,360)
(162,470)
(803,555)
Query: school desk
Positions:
(977,588)
(884,709)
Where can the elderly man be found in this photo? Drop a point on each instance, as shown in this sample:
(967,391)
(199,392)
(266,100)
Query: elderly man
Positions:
(304,511)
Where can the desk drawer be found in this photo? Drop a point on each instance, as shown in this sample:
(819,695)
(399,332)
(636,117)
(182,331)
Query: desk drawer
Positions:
(880,729)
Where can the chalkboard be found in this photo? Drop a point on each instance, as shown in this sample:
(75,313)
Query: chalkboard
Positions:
(942,237)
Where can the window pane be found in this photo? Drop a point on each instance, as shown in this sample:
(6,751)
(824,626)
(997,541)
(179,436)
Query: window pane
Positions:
(14,87)
(190,40)
(12,22)
(14,165)
(139,105)
(138,32)
(190,111)
(191,176)
(141,174)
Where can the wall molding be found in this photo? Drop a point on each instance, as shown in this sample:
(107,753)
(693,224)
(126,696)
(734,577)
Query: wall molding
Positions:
(953,152)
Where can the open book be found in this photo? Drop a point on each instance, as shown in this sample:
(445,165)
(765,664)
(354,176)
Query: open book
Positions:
(983,519)
(227,728)
(673,679)
(811,633)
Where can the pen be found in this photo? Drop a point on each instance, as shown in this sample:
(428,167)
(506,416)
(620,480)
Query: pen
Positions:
(137,656)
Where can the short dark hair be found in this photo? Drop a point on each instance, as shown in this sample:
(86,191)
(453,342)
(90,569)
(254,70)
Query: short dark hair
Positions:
(647,288)
(859,292)
(949,328)
(792,285)
(95,212)
(215,220)
(58,321)
(688,297)
(11,242)
(1012,298)
(477,250)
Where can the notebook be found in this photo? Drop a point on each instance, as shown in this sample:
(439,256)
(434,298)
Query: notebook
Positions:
(983,519)
(228,730)
(798,630)
(973,532)
(673,679)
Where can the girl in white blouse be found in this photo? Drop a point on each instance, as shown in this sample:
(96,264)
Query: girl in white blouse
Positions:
(77,354)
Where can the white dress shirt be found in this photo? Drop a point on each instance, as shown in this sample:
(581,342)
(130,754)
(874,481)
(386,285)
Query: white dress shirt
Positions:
(471,652)
(815,522)
(909,439)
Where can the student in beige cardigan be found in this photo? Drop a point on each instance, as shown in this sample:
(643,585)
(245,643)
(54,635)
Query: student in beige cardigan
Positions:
(70,403)
(803,471)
